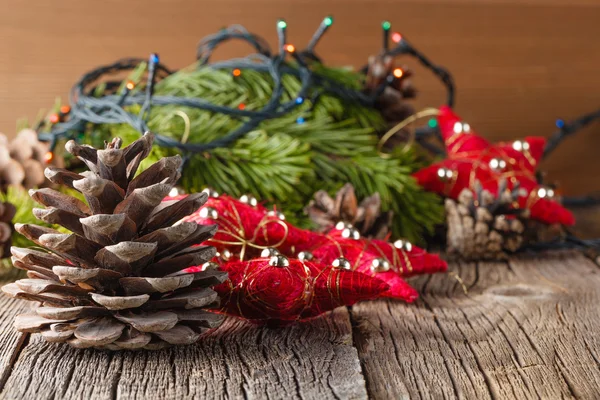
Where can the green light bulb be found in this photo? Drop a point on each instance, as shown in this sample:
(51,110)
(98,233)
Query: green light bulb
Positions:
(281,24)
(432,123)
(328,21)
(386,25)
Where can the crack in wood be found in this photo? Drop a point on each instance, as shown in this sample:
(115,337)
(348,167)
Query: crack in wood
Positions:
(19,346)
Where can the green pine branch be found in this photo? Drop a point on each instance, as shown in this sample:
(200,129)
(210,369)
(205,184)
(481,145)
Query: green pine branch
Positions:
(284,162)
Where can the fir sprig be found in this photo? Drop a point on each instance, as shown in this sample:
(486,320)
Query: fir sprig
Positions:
(285,160)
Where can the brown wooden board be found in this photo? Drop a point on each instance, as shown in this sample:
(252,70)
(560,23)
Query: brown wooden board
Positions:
(525,329)
(11,341)
(310,361)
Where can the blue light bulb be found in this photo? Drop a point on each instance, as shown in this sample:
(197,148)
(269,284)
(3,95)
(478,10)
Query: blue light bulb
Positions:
(300,120)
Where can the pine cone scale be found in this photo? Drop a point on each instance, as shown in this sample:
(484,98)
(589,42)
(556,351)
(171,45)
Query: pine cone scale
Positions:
(71,313)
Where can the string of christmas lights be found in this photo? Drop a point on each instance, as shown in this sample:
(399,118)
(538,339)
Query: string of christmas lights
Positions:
(567,129)
(86,108)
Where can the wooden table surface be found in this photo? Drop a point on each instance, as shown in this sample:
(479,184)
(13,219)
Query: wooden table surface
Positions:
(522,329)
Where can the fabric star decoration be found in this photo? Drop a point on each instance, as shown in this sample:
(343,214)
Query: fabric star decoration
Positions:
(390,262)
(278,291)
(320,271)
(471,159)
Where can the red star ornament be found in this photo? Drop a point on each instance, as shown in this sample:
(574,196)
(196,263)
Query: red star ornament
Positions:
(471,158)
(278,291)
(383,260)
(245,231)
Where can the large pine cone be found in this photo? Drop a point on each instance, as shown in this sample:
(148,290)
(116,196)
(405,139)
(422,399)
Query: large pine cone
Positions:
(366,217)
(483,227)
(117,281)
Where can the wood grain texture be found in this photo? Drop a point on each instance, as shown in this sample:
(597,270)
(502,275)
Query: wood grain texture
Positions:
(518,65)
(309,361)
(11,341)
(526,329)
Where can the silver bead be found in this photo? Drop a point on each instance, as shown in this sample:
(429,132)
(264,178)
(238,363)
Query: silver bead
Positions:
(269,252)
(176,191)
(403,245)
(277,214)
(305,256)
(545,193)
(249,199)
(497,164)
(461,127)
(210,265)
(445,174)
(520,145)
(226,255)
(348,231)
(211,192)
(380,265)
(279,260)
(341,263)
(209,212)
(351,233)
(341,225)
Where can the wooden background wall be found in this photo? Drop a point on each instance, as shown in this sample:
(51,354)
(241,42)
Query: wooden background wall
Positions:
(518,64)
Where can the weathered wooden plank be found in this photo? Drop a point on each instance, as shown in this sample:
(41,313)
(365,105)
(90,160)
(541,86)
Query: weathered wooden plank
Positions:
(314,360)
(526,329)
(11,341)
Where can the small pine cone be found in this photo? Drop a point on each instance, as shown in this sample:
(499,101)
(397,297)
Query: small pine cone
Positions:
(117,281)
(476,232)
(367,216)
(394,101)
